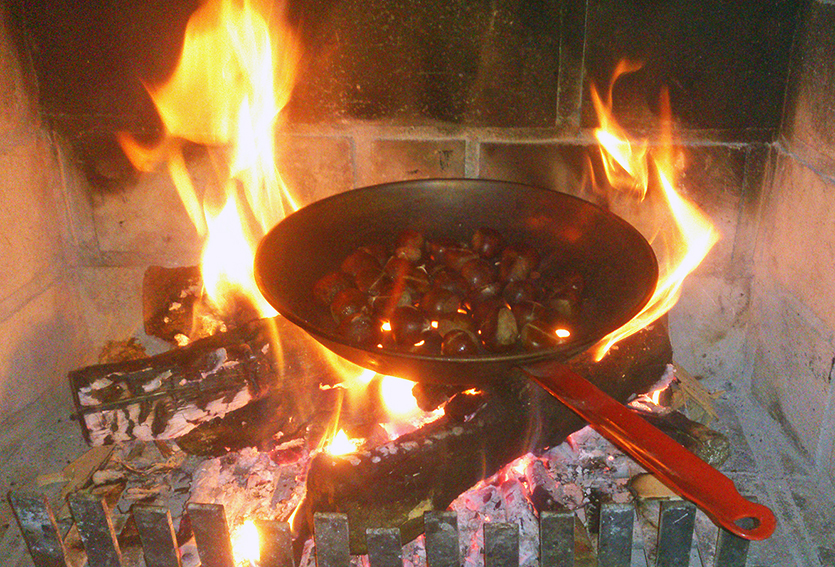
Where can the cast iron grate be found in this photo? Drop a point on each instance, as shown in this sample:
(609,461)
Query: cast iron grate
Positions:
(501,540)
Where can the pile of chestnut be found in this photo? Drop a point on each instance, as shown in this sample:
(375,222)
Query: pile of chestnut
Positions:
(444,297)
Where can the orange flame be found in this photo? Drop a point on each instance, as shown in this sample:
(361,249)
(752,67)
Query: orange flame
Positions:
(235,74)
(679,232)
(246,543)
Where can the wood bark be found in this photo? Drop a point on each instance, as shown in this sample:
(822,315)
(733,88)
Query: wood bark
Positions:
(393,484)
(166,396)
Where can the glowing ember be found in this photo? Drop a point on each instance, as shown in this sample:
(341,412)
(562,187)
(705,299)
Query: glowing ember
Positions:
(681,235)
(246,543)
(563,333)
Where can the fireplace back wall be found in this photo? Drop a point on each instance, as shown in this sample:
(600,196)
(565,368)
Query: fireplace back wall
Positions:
(399,90)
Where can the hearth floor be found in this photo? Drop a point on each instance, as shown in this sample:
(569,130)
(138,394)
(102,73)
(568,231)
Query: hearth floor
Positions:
(42,439)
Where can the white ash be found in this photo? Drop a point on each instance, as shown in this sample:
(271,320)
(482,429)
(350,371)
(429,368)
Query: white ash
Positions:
(250,485)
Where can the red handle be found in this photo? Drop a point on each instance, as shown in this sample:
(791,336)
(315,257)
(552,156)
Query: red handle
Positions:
(682,471)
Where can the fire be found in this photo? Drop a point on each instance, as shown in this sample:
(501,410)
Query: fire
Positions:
(341,444)
(235,74)
(680,233)
(246,543)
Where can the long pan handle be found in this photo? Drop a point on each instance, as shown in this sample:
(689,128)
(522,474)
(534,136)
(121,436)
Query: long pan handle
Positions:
(682,471)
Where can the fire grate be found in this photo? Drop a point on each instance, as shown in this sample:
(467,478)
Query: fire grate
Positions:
(501,540)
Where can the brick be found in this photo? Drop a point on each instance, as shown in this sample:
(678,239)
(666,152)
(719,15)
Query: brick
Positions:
(793,361)
(710,176)
(41,342)
(792,252)
(110,301)
(725,63)
(398,160)
(30,219)
(708,326)
(809,123)
(314,167)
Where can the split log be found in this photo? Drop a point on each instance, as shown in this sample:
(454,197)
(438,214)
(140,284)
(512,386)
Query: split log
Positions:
(165,396)
(393,484)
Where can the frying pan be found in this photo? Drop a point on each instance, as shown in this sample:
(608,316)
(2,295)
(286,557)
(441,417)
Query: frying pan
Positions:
(619,271)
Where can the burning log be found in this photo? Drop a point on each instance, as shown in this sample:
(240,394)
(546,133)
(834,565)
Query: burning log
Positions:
(168,395)
(393,484)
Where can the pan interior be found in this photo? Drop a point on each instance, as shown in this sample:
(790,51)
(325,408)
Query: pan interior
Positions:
(617,263)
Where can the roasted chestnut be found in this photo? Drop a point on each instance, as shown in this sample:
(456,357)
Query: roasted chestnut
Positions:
(518,262)
(459,343)
(430,343)
(539,334)
(347,302)
(487,242)
(456,321)
(326,288)
(408,325)
(477,273)
(438,302)
(527,311)
(438,247)
(410,245)
(520,290)
(498,330)
(359,261)
(358,328)
(447,278)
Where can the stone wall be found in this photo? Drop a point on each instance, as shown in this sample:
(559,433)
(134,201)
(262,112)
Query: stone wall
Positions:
(793,330)
(39,314)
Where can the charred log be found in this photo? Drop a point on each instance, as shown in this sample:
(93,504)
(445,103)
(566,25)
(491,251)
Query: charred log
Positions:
(168,395)
(393,484)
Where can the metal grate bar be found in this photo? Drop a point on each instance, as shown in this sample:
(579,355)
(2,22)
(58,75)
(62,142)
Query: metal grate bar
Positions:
(676,520)
(276,544)
(501,544)
(384,547)
(211,534)
(156,532)
(331,536)
(441,530)
(614,544)
(95,527)
(40,531)
(732,550)
(556,539)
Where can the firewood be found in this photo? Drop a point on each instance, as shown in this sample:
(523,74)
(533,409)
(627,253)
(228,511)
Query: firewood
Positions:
(167,395)
(393,484)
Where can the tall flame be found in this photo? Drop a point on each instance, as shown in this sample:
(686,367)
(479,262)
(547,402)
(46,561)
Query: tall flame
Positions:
(234,75)
(679,232)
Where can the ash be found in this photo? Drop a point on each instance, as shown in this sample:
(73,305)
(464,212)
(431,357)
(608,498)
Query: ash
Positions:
(576,475)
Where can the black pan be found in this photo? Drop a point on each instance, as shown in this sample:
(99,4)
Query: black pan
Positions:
(620,274)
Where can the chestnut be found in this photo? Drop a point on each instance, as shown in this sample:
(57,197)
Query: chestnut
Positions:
(477,273)
(487,242)
(357,328)
(326,288)
(486,293)
(438,302)
(456,257)
(347,302)
(378,251)
(410,245)
(438,247)
(407,325)
(429,343)
(520,290)
(498,330)
(456,321)
(518,262)
(448,279)
(368,279)
(358,261)
(459,343)
(527,311)
(539,334)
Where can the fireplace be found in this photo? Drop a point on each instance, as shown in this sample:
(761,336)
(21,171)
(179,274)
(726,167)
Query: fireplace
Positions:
(388,92)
